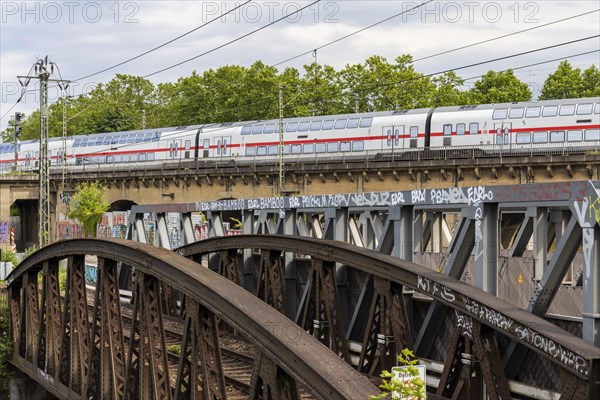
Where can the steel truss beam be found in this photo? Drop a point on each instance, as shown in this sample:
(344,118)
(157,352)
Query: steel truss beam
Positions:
(483,308)
(96,362)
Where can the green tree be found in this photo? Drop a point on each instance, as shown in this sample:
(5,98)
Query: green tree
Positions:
(448,91)
(395,388)
(88,205)
(564,83)
(590,82)
(499,87)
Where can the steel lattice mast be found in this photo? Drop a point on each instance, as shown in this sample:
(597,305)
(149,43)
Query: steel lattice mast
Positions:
(42,70)
(44,202)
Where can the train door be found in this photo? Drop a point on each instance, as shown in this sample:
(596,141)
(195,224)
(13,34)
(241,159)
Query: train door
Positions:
(503,134)
(187,148)
(174,147)
(394,138)
(205,148)
(223,146)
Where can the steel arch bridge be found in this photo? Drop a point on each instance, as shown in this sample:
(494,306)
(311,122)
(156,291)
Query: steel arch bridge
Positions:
(73,343)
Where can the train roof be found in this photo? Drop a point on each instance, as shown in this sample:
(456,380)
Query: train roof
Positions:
(518,104)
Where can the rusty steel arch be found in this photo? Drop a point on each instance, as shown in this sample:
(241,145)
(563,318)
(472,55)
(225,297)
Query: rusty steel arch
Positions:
(72,343)
(479,316)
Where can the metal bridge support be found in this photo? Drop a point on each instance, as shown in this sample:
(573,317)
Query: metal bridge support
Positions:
(248,269)
(540,242)
(591,285)
(287,226)
(486,247)
(336,228)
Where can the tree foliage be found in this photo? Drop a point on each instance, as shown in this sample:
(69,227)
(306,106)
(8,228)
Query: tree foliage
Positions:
(499,87)
(568,83)
(88,205)
(393,387)
(237,93)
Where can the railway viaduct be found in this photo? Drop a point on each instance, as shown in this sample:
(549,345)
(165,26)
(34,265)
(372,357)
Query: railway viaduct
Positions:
(553,197)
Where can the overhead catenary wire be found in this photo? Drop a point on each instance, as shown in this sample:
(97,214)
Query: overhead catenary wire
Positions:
(233,41)
(351,34)
(504,36)
(165,43)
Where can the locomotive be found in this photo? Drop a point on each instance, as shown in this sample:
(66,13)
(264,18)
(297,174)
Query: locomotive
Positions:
(508,128)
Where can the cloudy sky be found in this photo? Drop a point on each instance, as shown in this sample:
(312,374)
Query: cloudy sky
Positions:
(84,37)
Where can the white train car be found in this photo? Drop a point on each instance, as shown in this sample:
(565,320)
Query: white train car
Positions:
(510,128)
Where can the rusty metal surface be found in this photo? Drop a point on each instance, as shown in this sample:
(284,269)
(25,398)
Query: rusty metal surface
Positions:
(299,356)
(570,352)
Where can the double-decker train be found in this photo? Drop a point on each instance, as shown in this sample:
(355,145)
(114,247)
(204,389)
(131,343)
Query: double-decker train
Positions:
(508,128)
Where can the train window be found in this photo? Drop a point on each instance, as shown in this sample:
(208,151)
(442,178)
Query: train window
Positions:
(575,136)
(353,123)
(473,128)
(327,125)
(358,146)
(286,149)
(107,140)
(142,157)
(262,150)
(277,128)
(139,138)
(218,147)
(447,129)
(345,146)
(269,128)
(131,138)
(320,148)
(414,131)
(366,122)
(84,142)
(557,136)
(315,126)
(533,112)
(549,111)
(567,109)
(585,109)
(114,140)
(540,137)
(250,151)
(523,137)
(308,148)
(77,142)
(258,129)
(122,139)
(188,144)
(148,137)
(273,150)
(340,124)
(292,127)
(460,129)
(332,147)
(592,134)
(296,149)
(389,137)
(303,127)
(206,144)
(597,109)
(516,112)
(500,113)
(150,157)
(246,130)
(156,137)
